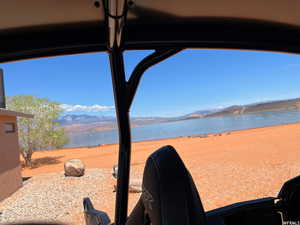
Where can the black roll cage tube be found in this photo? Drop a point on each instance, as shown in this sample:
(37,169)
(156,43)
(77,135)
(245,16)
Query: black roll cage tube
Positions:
(124,92)
(156,57)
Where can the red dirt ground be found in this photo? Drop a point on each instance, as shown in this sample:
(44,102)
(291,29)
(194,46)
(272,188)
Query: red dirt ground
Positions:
(236,166)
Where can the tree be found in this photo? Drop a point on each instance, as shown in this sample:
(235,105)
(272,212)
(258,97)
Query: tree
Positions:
(43,130)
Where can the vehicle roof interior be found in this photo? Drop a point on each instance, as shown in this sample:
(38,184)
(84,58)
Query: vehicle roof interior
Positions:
(50,27)
(52,12)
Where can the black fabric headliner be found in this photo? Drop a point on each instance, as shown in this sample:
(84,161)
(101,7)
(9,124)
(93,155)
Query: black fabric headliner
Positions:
(44,41)
(150,25)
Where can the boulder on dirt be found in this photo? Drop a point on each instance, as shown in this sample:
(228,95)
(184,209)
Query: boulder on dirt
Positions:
(74,168)
(135,186)
(115,171)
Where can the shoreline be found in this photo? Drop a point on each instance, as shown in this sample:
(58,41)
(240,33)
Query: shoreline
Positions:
(187,136)
(259,140)
(167,120)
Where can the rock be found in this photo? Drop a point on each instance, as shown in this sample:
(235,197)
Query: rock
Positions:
(135,186)
(135,189)
(74,168)
(115,171)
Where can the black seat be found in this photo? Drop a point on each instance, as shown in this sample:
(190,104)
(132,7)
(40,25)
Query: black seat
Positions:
(169,194)
(290,199)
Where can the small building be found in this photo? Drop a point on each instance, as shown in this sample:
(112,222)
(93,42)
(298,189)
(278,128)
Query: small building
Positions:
(10,167)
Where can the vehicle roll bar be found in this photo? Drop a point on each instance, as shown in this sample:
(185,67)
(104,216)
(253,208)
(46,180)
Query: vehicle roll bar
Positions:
(124,92)
(122,114)
(146,63)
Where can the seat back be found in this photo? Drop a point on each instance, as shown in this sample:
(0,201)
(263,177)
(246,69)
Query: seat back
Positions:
(290,199)
(169,194)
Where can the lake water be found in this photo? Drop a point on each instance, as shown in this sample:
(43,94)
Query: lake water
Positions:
(187,128)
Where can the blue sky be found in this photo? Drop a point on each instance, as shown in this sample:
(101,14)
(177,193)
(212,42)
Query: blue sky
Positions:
(192,80)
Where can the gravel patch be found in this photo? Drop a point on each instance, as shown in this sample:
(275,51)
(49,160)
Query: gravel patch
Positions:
(54,197)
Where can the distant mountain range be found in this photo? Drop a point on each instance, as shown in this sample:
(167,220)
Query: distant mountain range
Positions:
(84,119)
(81,123)
(272,106)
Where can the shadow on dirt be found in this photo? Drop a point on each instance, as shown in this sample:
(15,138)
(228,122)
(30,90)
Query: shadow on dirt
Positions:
(43,161)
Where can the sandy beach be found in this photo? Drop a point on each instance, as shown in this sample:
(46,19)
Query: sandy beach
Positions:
(278,144)
(228,167)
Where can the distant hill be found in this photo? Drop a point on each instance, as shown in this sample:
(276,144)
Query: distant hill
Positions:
(80,123)
(84,119)
(200,114)
(291,104)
